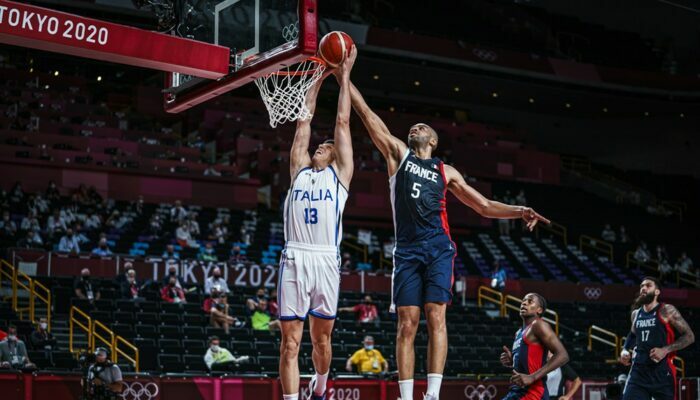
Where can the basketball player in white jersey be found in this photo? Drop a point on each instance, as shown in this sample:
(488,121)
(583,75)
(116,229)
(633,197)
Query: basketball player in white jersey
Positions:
(309,276)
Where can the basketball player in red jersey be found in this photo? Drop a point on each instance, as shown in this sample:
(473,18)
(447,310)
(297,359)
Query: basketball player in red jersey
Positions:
(528,359)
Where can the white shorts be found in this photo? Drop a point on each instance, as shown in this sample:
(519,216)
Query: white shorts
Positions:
(309,282)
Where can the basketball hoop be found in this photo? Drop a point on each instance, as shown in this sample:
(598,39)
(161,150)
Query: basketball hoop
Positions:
(284,91)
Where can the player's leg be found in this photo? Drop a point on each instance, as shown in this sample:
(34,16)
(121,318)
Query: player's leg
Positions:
(322,313)
(292,331)
(407,298)
(438,293)
(636,386)
(665,383)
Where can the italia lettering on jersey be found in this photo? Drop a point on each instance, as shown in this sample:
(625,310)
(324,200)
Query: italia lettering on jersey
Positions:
(418,199)
(314,207)
(652,331)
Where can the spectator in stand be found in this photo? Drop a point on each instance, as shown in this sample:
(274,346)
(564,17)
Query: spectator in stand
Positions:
(178,212)
(52,193)
(216,279)
(172,293)
(210,171)
(236,255)
(102,250)
(29,241)
(623,235)
(55,224)
(130,287)
(641,254)
(17,194)
(172,273)
(217,233)
(30,222)
(69,243)
(261,320)
(207,253)
(155,225)
(193,225)
(498,276)
(664,269)
(608,234)
(217,308)
(217,356)
(684,264)
(170,253)
(368,360)
(661,253)
(346,263)
(42,339)
(85,288)
(183,237)
(520,199)
(79,235)
(365,312)
(93,222)
(13,352)
(253,302)
(8,228)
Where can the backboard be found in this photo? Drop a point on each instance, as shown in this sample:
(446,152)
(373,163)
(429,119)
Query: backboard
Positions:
(263,35)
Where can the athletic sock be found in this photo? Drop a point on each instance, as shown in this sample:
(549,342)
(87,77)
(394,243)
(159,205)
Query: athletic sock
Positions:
(434,382)
(406,388)
(321,383)
(294,396)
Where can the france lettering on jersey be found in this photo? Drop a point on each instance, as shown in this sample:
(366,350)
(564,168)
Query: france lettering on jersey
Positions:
(418,199)
(527,358)
(314,208)
(652,331)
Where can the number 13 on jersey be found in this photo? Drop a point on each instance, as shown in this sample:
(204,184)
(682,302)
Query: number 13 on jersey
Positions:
(310,216)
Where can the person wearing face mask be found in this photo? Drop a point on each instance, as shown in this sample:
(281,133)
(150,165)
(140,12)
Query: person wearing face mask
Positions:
(368,360)
(217,308)
(130,287)
(216,279)
(218,358)
(102,250)
(253,302)
(85,288)
(366,311)
(13,352)
(173,293)
(42,339)
(172,272)
(69,243)
(7,226)
(207,253)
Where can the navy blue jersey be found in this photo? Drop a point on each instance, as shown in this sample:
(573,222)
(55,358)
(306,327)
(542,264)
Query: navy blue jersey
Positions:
(418,198)
(652,331)
(527,359)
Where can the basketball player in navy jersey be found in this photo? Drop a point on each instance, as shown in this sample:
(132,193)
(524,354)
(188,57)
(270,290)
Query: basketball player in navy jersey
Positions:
(309,275)
(528,358)
(654,344)
(424,252)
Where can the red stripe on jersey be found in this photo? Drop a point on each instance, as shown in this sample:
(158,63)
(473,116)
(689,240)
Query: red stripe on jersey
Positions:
(443,202)
(670,338)
(535,360)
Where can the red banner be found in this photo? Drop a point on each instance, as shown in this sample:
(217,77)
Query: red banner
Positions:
(44,29)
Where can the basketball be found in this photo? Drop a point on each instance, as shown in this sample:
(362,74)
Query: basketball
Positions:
(334,47)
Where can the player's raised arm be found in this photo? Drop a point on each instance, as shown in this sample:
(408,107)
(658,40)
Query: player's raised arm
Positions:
(342,137)
(551,342)
(391,147)
(299,153)
(685,338)
(485,207)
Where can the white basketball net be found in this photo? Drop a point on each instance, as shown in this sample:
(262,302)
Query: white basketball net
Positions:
(284,91)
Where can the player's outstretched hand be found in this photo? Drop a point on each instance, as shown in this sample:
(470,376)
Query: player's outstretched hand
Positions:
(522,380)
(531,217)
(345,68)
(506,357)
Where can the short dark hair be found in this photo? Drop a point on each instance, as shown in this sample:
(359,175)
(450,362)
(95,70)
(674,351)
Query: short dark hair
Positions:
(655,280)
(213,338)
(542,301)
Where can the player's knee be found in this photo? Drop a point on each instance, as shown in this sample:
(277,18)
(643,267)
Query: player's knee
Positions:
(289,348)
(436,319)
(322,343)
(407,328)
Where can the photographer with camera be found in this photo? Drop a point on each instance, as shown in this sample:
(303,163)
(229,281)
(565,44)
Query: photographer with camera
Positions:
(104,379)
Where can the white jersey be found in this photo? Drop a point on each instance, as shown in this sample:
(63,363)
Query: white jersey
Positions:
(314,208)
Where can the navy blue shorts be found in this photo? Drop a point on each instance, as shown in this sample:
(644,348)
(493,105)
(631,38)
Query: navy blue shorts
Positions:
(423,272)
(647,381)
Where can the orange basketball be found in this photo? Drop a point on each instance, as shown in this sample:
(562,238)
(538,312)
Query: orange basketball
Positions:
(334,47)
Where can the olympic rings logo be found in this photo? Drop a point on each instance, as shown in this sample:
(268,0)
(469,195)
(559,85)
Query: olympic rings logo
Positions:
(480,392)
(592,293)
(485,55)
(139,391)
(291,31)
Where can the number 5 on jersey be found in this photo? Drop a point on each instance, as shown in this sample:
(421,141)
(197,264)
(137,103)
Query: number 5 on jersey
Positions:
(415,192)
(310,216)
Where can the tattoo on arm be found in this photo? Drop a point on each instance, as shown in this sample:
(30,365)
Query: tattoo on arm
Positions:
(634,316)
(686,336)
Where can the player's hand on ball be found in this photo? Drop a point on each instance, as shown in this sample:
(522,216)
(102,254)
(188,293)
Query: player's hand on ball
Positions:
(345,68)
(522,380)
(506,357)
(657,354)
(531,217)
